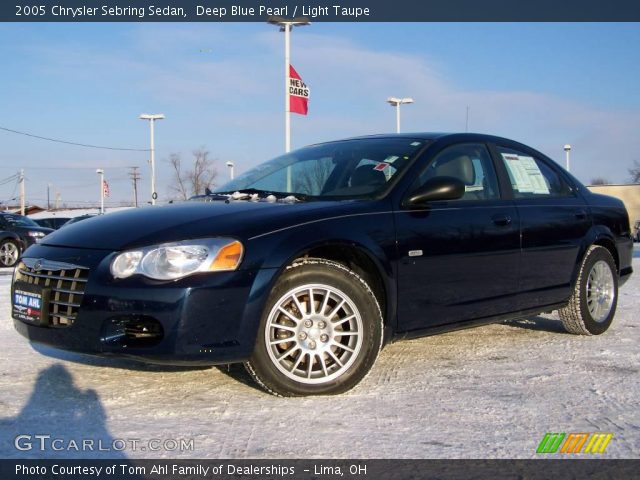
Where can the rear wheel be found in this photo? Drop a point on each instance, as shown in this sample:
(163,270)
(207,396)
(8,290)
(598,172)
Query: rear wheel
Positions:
(592,306)
(9,253)
(320,332)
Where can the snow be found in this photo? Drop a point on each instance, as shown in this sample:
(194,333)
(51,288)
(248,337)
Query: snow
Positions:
(489,392)
(74,212)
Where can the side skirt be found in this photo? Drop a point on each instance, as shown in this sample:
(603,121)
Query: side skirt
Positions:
(425,332)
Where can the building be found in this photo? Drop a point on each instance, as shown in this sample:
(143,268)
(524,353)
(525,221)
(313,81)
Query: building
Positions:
(628,193)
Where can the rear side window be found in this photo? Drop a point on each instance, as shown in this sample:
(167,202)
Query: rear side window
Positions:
(531,177)
(468,162)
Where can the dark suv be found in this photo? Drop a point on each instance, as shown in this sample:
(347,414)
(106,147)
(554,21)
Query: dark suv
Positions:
(18,233)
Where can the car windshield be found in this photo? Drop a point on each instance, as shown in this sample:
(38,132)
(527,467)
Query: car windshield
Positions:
(19,221)
(345,169)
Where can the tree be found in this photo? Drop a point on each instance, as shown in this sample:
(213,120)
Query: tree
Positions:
(600,181)
(635,172)
(186,183)
(311,180)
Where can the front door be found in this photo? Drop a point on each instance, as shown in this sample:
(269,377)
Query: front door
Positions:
(458,260)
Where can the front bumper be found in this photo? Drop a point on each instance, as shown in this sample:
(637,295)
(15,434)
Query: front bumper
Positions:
(205,319)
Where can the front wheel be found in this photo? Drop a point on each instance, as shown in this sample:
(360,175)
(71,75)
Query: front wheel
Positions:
(320,332)
(592,306)
(9,253)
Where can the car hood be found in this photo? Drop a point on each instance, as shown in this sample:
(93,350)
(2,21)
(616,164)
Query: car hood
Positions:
(170,223)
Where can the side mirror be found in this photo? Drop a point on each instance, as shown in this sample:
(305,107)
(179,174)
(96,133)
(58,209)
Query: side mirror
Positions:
(437,188)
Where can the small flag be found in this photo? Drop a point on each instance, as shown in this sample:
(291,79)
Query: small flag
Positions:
(105,188)
(298,93)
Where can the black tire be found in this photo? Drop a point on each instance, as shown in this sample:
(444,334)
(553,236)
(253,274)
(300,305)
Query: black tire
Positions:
(6,258)
(577,317)
(353,334)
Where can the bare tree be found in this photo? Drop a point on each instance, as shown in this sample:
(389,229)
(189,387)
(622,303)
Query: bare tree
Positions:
(186,183)
(178,184)
(635,172)
(311,181)
(600,181)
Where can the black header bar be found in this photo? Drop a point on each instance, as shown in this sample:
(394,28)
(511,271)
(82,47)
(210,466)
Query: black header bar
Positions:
(321,10)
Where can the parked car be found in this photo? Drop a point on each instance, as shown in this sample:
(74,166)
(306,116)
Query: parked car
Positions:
(303,267)
(25,232)
(636,231)
(52,222)
(80,218)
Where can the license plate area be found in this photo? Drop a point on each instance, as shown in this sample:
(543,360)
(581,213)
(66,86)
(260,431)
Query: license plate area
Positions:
(29,303)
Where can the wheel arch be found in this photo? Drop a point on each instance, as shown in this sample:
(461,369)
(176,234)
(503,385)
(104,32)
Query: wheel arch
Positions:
(601,236)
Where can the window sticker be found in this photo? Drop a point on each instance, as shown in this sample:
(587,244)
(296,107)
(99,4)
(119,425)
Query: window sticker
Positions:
(391,159)
(381,166)
(525,174)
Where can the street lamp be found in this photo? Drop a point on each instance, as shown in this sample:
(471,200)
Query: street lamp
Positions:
(152,118)
(100,172)
(230,165)
(396,102)
(567,149)
(286,24)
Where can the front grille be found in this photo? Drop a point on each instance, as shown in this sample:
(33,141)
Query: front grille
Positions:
(65,282)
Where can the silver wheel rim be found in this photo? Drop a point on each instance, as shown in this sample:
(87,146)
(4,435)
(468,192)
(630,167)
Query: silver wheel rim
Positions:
(314,333)
(8,254)
(600,291)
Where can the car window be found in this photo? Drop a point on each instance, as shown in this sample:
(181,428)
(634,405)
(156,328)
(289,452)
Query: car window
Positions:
(18,221)
(470,163)
(531,177)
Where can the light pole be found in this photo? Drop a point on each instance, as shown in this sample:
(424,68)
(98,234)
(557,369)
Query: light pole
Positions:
(286,25)
(230,165)
(396,102)
(100,172)
(567,149)
(152,118)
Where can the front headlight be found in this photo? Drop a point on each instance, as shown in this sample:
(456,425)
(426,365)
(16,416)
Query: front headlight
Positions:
(171,261)
(36,234)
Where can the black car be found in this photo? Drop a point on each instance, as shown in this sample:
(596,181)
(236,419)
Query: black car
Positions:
(52,222)
(306,265)
(24,232)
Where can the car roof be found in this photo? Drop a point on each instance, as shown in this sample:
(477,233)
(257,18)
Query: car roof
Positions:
(429,136)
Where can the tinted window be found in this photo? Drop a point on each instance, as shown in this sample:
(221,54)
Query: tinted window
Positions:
(18,221)
(531,177)
(469,163)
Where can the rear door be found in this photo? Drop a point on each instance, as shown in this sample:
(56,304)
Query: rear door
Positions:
(458,260)
(554,220)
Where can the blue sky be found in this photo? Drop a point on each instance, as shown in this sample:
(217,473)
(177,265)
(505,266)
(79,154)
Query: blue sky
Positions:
(542,84)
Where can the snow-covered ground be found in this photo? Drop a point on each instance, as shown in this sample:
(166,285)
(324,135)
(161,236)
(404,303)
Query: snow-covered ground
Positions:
(490,392)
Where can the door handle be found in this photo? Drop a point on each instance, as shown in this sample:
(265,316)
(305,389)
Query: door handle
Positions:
(501,220)
(581,214)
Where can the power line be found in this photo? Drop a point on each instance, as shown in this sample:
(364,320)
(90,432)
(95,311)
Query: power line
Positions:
(73,143)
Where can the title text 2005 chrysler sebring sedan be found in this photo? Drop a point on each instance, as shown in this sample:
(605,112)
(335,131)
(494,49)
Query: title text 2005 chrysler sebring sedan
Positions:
(305,265)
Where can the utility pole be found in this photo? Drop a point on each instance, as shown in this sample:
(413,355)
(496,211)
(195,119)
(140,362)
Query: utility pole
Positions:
(48,196)
(21,191)
(135,176)
(57,200)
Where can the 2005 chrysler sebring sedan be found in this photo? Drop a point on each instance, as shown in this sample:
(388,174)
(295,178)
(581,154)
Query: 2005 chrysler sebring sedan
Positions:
(305,265)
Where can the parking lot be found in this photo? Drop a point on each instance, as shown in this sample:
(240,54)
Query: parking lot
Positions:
(489,392)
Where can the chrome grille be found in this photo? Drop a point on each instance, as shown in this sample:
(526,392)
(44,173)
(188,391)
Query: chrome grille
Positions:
(65,282)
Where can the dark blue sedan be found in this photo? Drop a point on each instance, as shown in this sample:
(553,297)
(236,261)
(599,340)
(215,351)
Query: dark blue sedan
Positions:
(303,267)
